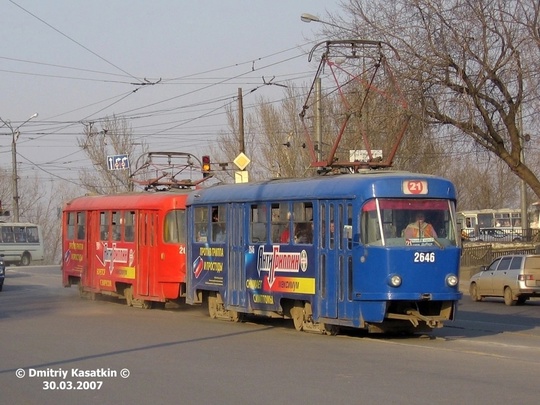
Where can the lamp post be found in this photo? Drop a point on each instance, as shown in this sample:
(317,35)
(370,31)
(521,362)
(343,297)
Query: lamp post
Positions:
(15,178)
(307,18)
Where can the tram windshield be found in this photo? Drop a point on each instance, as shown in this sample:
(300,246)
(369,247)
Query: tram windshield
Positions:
(401,222)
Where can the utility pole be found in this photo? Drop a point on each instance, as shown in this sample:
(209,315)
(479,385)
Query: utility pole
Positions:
(241,120)
(524,216)
(15,178)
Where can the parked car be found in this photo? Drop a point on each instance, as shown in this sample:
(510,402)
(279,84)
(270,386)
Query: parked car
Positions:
(516,278)
(2,271)
(495,235)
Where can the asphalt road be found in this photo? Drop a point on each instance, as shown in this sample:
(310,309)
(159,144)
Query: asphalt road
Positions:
(57,348)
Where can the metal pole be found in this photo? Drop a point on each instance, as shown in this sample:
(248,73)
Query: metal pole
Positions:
(15,177)
(524,217)
(318,118)
(241,120)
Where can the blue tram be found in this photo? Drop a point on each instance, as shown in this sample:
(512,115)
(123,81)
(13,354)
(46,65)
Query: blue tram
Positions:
(376,250)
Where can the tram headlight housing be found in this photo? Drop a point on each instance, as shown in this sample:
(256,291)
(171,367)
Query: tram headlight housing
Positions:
(394,280)
(452,280)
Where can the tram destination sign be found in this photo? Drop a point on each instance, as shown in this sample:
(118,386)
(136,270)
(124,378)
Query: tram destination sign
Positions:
(117,162)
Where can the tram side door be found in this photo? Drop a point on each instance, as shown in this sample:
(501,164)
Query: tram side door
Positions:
(328,283)
(335,260)
(236,274)
(146,250)
(92,258)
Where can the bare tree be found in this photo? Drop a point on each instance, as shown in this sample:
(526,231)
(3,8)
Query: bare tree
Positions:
(475,62)
(273,138)
(113,138)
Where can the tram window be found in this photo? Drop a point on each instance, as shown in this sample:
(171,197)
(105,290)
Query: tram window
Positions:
(257,223)
(389,229)
(81,225)
(348,229)
(70,225)
(104,225)
(303,223)
(174,227)
(218,224)
(332,228)
(201,224)
(322,228)
(341,227)
(384,221)
(370,227)
(281,217)
(303,233)
(153,226)
(116,225)
(129,228)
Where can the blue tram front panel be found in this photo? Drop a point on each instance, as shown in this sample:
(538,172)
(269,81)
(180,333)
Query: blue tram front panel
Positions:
(422,271)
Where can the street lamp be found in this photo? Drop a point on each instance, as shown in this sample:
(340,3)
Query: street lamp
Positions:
(307,18)
(15,178)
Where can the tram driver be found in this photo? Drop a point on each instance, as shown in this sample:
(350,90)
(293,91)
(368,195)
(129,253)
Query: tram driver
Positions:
(420,228)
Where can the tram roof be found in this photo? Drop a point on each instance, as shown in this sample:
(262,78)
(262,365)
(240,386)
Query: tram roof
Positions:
(359,185)
(134,200)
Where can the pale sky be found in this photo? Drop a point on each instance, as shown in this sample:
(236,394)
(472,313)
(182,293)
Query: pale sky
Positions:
(76,61)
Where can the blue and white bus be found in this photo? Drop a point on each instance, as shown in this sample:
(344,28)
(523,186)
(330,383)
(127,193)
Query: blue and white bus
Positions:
(327,252)
(21,243)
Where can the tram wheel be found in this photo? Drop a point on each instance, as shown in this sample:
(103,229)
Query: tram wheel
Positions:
(297,314)
(236,316)
(145,304)
(128,293)
(212,305)
(330,330)
(82,293)
(508,297)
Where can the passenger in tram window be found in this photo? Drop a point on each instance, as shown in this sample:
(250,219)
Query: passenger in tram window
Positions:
(201,234)
(303,233)
(285,235)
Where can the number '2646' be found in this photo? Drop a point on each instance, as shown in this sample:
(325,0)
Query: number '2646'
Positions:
(423,257)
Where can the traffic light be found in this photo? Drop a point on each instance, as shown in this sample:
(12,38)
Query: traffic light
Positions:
(205,169)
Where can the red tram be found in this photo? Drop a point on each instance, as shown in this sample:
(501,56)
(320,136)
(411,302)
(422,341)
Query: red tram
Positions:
(132,246)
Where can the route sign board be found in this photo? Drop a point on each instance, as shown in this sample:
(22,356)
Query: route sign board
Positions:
(118,162)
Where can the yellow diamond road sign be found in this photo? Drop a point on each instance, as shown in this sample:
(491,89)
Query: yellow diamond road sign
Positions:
(241,161)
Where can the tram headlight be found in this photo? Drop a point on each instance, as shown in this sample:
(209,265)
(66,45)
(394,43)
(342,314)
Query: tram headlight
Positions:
(452,280)
(394,280)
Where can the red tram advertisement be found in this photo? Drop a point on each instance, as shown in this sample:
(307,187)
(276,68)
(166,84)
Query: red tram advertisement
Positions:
(131,246)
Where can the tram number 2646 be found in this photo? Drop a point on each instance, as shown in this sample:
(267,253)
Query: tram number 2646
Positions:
(424,257)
